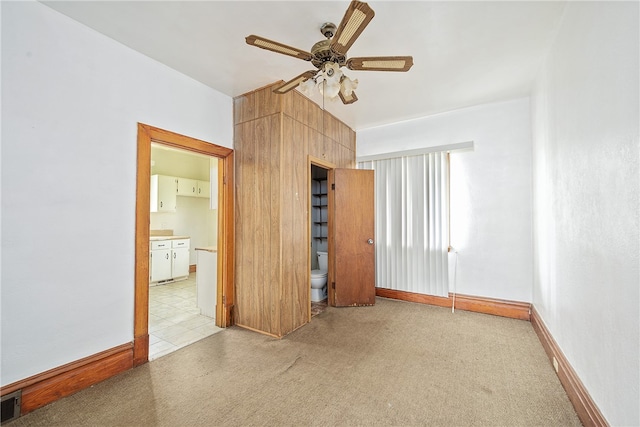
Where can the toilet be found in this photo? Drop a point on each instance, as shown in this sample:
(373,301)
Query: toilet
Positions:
(319,279)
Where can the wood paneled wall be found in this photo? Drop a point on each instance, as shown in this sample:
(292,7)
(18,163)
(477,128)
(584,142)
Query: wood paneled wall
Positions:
(274,137)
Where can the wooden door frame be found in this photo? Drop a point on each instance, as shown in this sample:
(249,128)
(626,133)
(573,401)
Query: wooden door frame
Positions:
(314,161)
(226,263)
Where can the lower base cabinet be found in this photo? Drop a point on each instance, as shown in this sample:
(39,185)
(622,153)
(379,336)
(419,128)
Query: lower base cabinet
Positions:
(168,260)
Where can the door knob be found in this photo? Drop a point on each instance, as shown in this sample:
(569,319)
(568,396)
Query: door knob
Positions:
(370,241)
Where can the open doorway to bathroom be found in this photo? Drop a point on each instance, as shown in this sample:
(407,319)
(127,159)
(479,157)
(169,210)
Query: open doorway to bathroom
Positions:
(319,228)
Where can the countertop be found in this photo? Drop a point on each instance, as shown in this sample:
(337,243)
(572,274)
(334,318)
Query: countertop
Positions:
(155,238)
(208,248)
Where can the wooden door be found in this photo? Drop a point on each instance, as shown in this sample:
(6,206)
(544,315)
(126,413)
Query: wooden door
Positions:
(351,232)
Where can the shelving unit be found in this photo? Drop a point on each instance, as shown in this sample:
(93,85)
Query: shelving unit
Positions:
(319,213)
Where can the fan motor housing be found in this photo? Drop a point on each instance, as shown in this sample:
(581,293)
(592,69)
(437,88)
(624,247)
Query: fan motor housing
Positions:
(322,53)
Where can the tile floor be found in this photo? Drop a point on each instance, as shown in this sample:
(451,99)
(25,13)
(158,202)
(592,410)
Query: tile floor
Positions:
(318,307)
(174,319)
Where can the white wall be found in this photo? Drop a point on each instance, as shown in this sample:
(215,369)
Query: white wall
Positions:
(70,105)
(586,191)
(490,191)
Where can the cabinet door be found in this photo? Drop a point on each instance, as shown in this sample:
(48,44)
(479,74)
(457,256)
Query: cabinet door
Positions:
(163,193)
(180,262)
(160,265)
(187,187)
(203,189)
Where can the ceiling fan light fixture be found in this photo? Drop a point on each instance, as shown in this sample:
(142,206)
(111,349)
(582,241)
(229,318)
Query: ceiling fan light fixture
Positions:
(329,82)
(348,86)
(306,87)
(348,99)
(330,55)
(329,90)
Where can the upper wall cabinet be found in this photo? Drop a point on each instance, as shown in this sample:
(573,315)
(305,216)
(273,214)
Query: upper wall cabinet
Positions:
(202,189)
(187,187)
(163,193)
(193,187)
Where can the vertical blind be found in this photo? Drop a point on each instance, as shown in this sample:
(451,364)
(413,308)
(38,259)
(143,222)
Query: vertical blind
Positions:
(411,203)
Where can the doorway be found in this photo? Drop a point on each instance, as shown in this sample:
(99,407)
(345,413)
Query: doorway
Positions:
(224,241)
(182,285)
(318,235)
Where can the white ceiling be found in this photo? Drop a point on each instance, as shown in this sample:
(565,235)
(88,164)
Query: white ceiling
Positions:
(465,53)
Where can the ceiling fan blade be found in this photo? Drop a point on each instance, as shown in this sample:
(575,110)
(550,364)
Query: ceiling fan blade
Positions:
(267,44)
(294,82)
(347,99)
(355,19)
(381,63)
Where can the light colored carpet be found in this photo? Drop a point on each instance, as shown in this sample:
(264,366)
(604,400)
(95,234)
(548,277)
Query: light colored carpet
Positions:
(395,363)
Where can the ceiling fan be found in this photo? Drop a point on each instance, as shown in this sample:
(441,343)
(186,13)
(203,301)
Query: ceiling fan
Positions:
(329,56)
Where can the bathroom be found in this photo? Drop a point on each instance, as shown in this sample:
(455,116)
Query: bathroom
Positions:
(319,238)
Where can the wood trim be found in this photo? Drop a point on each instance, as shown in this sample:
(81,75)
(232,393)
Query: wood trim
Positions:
(147,134)
(192,268)
(497,307)
(258,331)
(583,404)
(65,380)
(220,309)
(183,142)
(141,298)
(314,161)
(141,349)
(228,254)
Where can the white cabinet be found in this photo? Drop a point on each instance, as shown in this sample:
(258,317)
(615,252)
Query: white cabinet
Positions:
(168,260)
(203,189)
(187,187)
(193,187)
(180,258)
(160,262)
(163,193)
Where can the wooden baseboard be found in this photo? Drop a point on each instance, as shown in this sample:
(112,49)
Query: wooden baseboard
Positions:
(65,380)
(192,268)
(140,350)
(584,405)
(496,307)
(259,331)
